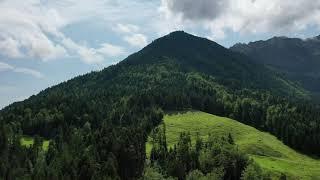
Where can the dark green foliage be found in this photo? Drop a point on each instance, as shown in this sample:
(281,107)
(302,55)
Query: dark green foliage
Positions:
(298,59)
(231,69)
(110,151)
(230,139)
(98,123)
(153,173)
(283,177)
(216,158)
(198,175)
(254,172)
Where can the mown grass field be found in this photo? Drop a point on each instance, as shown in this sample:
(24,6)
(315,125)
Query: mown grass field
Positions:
(270,153)
(28,141)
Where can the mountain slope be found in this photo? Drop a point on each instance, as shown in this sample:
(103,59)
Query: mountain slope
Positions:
(99,122)
(229,68)
(298,59)
(270,153)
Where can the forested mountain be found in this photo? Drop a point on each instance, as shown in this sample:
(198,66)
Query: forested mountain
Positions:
(98,123)
(231,69)
(297,58)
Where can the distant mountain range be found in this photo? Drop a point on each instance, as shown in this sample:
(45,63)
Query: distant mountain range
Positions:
(298,59)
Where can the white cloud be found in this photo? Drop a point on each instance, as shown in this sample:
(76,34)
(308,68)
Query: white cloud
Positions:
(24,30)
(126,28)
(137,40)
(5,67)
(93,55)
(110,50)
(131,34)
(90,55)
(33,28)
(10,48)
(245,16)
(27,71)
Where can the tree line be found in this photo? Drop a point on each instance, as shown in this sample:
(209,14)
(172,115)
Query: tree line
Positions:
(215,158)
(98,123)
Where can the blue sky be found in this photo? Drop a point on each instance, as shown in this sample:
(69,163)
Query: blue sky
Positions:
(45,42)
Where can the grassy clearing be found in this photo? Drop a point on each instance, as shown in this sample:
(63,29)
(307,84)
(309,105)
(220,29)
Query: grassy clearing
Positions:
(28,141)
(265,149)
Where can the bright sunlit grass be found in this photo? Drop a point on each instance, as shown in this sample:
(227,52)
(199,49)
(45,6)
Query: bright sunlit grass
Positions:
(28,142)
(270,153)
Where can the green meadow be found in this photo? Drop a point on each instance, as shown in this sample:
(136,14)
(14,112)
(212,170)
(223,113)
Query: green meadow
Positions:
(269,152)
(28,141)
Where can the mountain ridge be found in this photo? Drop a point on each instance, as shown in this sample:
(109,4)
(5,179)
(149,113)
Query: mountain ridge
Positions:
(102,119)
(297,58)
(220,58)
(200,54)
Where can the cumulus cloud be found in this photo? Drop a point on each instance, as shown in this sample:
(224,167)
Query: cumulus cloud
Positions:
(24,30)
(131,34)
(245,16)
(137,40)
(126,28)
(27,71)
(93,55)
(110,50)
(5,67)
(197,10)
(33,28)
(10,48)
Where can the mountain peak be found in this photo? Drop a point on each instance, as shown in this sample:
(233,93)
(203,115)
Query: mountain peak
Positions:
(279,37)
(183,40)
(190,52)
(180,36)
(183,34)
(179,46)
(179,32)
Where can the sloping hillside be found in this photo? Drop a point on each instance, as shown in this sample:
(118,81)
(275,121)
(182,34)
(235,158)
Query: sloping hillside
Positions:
(297,58)
(265,149)
(231,69)
(124,102)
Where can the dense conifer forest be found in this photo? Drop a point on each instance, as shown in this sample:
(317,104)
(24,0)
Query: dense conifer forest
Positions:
(98,123)
(297,59)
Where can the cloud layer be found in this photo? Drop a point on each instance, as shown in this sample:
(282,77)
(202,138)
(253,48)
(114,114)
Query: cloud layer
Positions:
(6,67)
(245,16)
(197,10)
(33,29)
(131,34)
(24,30)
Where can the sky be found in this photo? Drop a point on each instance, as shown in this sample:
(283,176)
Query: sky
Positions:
(45,42)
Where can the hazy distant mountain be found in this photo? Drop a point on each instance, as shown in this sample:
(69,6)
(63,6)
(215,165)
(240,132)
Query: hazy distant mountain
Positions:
(297,58)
